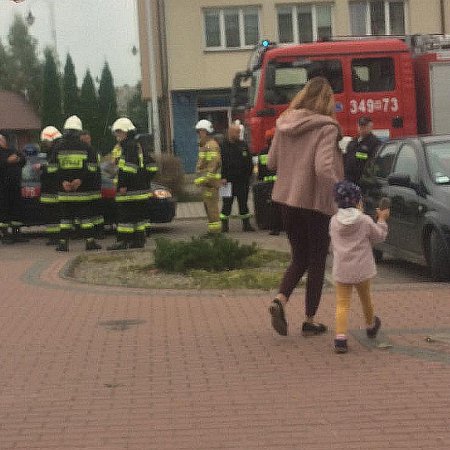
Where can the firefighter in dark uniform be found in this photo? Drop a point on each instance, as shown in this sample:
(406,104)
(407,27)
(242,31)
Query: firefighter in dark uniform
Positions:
(78,184)
(135,169)
(208,170)
(360,150)
(269,176)
(49,184)
(11,163)
(237,168)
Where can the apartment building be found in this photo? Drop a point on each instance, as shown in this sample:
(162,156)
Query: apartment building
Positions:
(201,44)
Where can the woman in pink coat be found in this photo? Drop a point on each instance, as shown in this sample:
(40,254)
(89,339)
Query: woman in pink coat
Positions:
(308,162)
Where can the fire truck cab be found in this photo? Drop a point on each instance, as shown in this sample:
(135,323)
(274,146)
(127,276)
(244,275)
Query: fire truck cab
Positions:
(369,76)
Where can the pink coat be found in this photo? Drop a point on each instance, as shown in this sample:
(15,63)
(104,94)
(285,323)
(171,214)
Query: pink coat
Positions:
(352,235)
(308,162)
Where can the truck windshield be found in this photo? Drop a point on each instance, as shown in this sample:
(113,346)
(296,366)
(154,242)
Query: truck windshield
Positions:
(285,78)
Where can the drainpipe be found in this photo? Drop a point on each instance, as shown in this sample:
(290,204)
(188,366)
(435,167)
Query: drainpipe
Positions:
(152,73)
(443,25)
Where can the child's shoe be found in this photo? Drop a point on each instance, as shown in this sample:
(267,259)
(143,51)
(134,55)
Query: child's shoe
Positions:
(340,346)
(373,331)
(279,322)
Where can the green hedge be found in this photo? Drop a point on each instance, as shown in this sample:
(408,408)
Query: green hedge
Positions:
(211,253)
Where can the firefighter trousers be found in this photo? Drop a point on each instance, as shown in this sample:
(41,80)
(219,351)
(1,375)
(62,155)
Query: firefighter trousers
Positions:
(82,213)
(240,191)
(211,203)
(132,219)
(10,205)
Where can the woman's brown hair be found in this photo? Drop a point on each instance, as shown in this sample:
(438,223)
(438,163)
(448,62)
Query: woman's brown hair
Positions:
(317,96)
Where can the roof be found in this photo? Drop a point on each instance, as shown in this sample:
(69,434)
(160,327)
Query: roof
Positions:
(16,113)
(345,47)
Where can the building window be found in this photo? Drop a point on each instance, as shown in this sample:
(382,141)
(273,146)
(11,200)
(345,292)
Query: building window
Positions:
(378,17)
(231,28)
(304,23)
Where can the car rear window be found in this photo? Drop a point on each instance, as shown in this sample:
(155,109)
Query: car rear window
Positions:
(438,158)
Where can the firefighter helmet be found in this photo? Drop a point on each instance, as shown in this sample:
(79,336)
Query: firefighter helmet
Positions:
(73,123)
(49,134)
(205,125)
(123,124)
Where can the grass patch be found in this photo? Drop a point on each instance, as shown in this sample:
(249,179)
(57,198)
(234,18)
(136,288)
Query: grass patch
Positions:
(263,269)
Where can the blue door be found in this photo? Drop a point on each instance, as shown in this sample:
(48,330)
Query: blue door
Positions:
(184,120)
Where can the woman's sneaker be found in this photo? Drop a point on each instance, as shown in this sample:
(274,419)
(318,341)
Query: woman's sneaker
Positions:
(373,331)
(313,328)
(340,346)
(279,322)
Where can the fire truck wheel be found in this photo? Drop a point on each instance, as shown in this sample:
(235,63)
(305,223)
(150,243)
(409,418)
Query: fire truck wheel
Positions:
(438,259)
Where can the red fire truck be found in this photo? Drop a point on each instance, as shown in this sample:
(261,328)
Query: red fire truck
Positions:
(403,83)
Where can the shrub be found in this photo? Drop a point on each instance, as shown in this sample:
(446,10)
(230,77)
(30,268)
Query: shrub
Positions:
(211,253)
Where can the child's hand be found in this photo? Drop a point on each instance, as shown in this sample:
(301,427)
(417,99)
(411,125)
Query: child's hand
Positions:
(383,214)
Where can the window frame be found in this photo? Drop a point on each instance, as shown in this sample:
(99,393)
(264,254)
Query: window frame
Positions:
(387,16)
(222,30)
(294,19)
(388,145)
(407,146)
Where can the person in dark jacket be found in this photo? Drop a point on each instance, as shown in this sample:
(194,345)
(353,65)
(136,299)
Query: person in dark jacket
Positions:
(136,168)
(270,176)
(78,184)
(360,150)
(11,163)
(237,167)
(49,184)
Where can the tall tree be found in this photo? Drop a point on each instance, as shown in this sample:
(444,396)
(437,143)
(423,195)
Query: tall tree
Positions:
(51,92)
(25,67)
(89,108)
(107,108)
(5,70)
(137,110)
(70,89)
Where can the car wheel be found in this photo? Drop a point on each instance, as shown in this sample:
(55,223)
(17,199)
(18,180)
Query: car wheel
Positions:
(378,255)
(438,258)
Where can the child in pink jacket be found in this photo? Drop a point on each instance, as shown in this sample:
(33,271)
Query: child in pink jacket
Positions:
(352,235)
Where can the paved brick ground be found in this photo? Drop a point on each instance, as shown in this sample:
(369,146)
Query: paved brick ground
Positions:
(108,368)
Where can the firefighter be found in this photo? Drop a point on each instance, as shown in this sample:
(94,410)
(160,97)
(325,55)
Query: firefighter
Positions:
(208,170)
(11,163)
(360,150)
(269,176)
(49,184)
(237,168)
(136,168)
(78,184)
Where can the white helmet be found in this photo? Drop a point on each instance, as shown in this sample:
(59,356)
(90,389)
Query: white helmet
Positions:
(123,124)
(205,125)
(73,123)
(49,134)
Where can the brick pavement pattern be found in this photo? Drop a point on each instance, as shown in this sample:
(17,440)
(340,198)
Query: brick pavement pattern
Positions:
(86,367)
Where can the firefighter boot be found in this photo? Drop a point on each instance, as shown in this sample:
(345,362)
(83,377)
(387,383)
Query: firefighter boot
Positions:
(63,246)
(246,226)
(18,236)
(138,240)
(225,226)
(92,245)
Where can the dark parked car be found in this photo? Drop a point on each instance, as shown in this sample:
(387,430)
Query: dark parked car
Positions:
(414,173)
(161,205)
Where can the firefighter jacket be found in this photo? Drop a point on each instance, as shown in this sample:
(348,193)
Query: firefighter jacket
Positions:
(237,164)
(75,159)
(49,178)
(10,172)
(209,165)
(136,170)
(359,152)
(264,174)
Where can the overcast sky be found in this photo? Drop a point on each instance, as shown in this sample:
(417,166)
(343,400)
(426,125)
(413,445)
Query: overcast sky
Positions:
(92,31)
